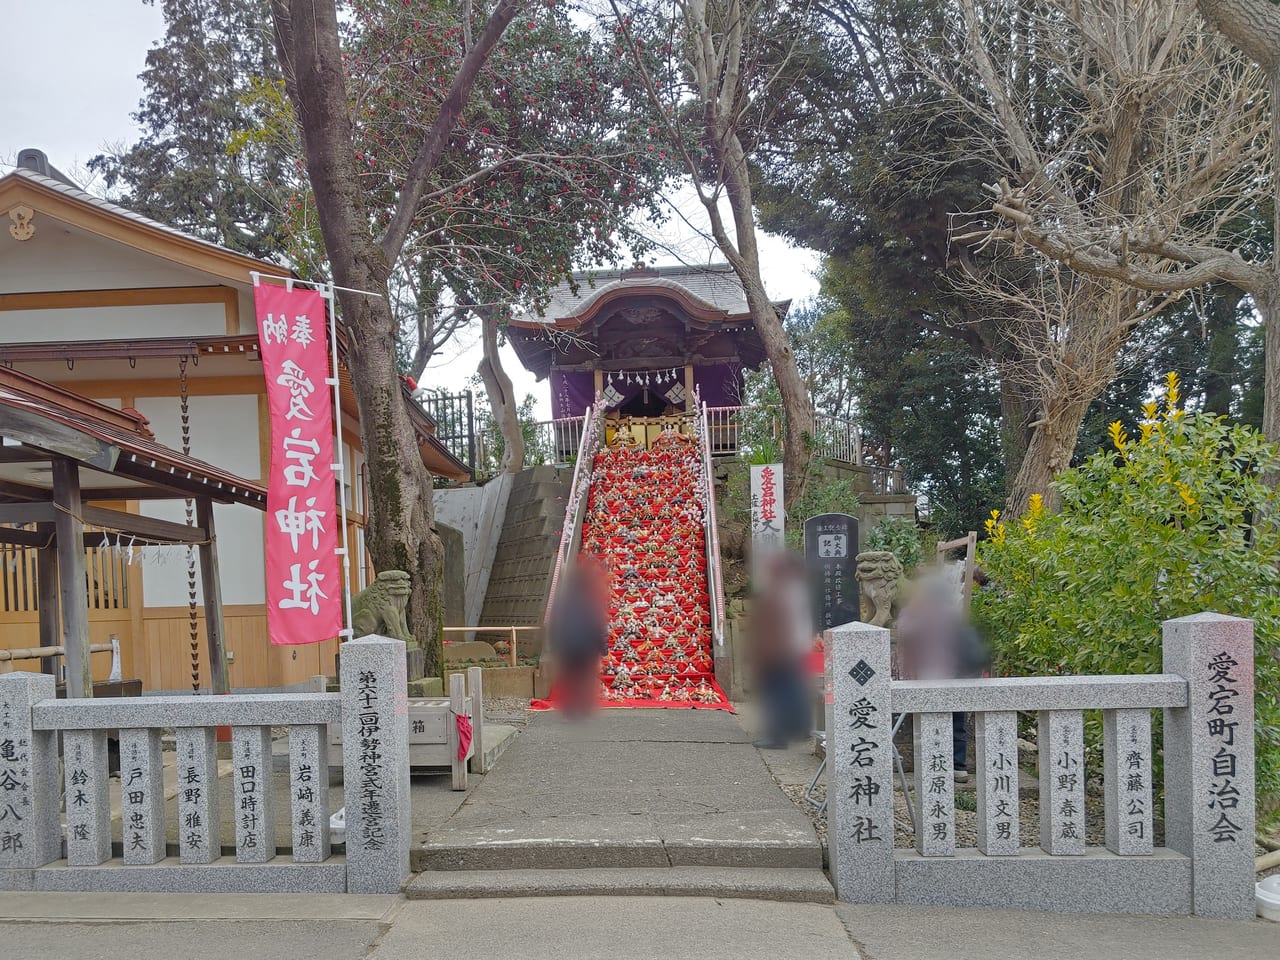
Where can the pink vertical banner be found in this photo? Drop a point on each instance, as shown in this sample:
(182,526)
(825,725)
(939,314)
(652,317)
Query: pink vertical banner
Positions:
(304,583)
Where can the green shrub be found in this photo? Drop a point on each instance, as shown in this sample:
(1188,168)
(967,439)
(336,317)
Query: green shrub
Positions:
(901,537)
(1175,522)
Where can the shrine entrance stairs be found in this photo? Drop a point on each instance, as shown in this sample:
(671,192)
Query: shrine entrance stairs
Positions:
(648,802)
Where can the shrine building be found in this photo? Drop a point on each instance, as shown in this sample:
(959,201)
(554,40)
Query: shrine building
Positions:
(644,339)
(133,387)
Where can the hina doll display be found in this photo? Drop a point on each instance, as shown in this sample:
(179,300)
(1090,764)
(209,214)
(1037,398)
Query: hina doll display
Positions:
(645,525)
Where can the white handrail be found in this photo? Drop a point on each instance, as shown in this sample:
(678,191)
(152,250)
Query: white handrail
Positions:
(578,487)
(715,581)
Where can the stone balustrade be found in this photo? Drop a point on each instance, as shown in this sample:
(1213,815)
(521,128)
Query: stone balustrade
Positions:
(39,853)
(1204,868)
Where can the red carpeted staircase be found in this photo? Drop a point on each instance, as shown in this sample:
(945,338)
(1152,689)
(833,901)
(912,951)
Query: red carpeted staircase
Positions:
(644,522)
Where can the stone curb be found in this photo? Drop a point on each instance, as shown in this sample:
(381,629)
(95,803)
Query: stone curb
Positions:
(784,885)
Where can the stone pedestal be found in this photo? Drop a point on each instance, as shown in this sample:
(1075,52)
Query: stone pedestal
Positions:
(1209,766)
(415,661)
(375,760)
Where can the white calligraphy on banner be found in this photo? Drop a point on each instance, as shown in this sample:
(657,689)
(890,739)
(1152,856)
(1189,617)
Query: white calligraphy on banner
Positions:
(303,579)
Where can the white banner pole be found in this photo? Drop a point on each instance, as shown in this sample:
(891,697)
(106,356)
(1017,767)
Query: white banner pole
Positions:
(340,467)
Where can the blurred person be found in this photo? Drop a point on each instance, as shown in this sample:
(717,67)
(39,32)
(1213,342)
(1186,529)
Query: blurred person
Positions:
(578,636)
(781,636)
(937,642)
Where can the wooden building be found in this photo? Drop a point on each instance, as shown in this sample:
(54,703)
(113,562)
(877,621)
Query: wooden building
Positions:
(643,339)
(106,305)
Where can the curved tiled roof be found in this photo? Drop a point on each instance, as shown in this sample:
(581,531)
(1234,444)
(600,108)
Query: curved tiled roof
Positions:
(714,289)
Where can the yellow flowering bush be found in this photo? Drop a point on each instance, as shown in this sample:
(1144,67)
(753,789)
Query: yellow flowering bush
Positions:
(1175,522)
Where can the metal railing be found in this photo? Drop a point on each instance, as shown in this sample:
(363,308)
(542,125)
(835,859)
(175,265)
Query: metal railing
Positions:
(835,438)
(715,577)
(455,419)
(557,440)
(592,434)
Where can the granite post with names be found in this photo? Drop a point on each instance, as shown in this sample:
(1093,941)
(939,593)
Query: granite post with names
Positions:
(142,795)
(1062,781)
(375,761)
(199,820)
(251,799)
(88,801)
(1209,761)
(997,765)
(1126,748)
(935,784)
(30,834)
(309,793)
(860,763)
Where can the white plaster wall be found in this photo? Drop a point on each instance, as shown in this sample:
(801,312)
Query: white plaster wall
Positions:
(60,257)
(112,323)
(224,432)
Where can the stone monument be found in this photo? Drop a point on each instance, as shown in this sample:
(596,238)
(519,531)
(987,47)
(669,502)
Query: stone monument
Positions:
(830,545)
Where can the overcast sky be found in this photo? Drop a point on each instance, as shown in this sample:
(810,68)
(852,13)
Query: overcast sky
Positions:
(70,80)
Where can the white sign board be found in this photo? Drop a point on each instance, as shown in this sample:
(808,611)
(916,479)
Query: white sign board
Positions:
(768,516)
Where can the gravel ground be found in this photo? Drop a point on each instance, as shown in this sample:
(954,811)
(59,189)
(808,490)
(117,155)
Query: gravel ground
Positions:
(513,711)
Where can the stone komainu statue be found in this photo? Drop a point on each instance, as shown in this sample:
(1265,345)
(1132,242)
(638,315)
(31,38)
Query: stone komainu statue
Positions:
(880,574)
(379,608)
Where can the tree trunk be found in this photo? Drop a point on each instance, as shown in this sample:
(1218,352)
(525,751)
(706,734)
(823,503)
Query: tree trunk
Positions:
(1053,441)
(1222,353)
(1016,412)
(797,412)
(398,534)
(501,393)
(1252,25)
(1268,306)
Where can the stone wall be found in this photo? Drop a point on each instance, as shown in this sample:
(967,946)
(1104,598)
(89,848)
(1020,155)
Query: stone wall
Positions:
(478,513)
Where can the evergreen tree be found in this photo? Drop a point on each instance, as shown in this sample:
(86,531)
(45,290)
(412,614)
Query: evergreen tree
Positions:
(180,171)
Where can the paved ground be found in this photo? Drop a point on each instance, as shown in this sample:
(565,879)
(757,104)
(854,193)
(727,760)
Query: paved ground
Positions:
(934,933)
(271,927)
(636,788)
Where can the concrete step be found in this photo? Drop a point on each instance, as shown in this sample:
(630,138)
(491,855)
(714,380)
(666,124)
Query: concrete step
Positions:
(761,840)
(497,737)
(749,883)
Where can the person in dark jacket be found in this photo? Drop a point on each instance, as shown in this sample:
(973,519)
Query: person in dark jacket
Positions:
(579,636)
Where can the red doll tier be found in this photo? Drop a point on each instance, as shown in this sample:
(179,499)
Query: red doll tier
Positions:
(644,523)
